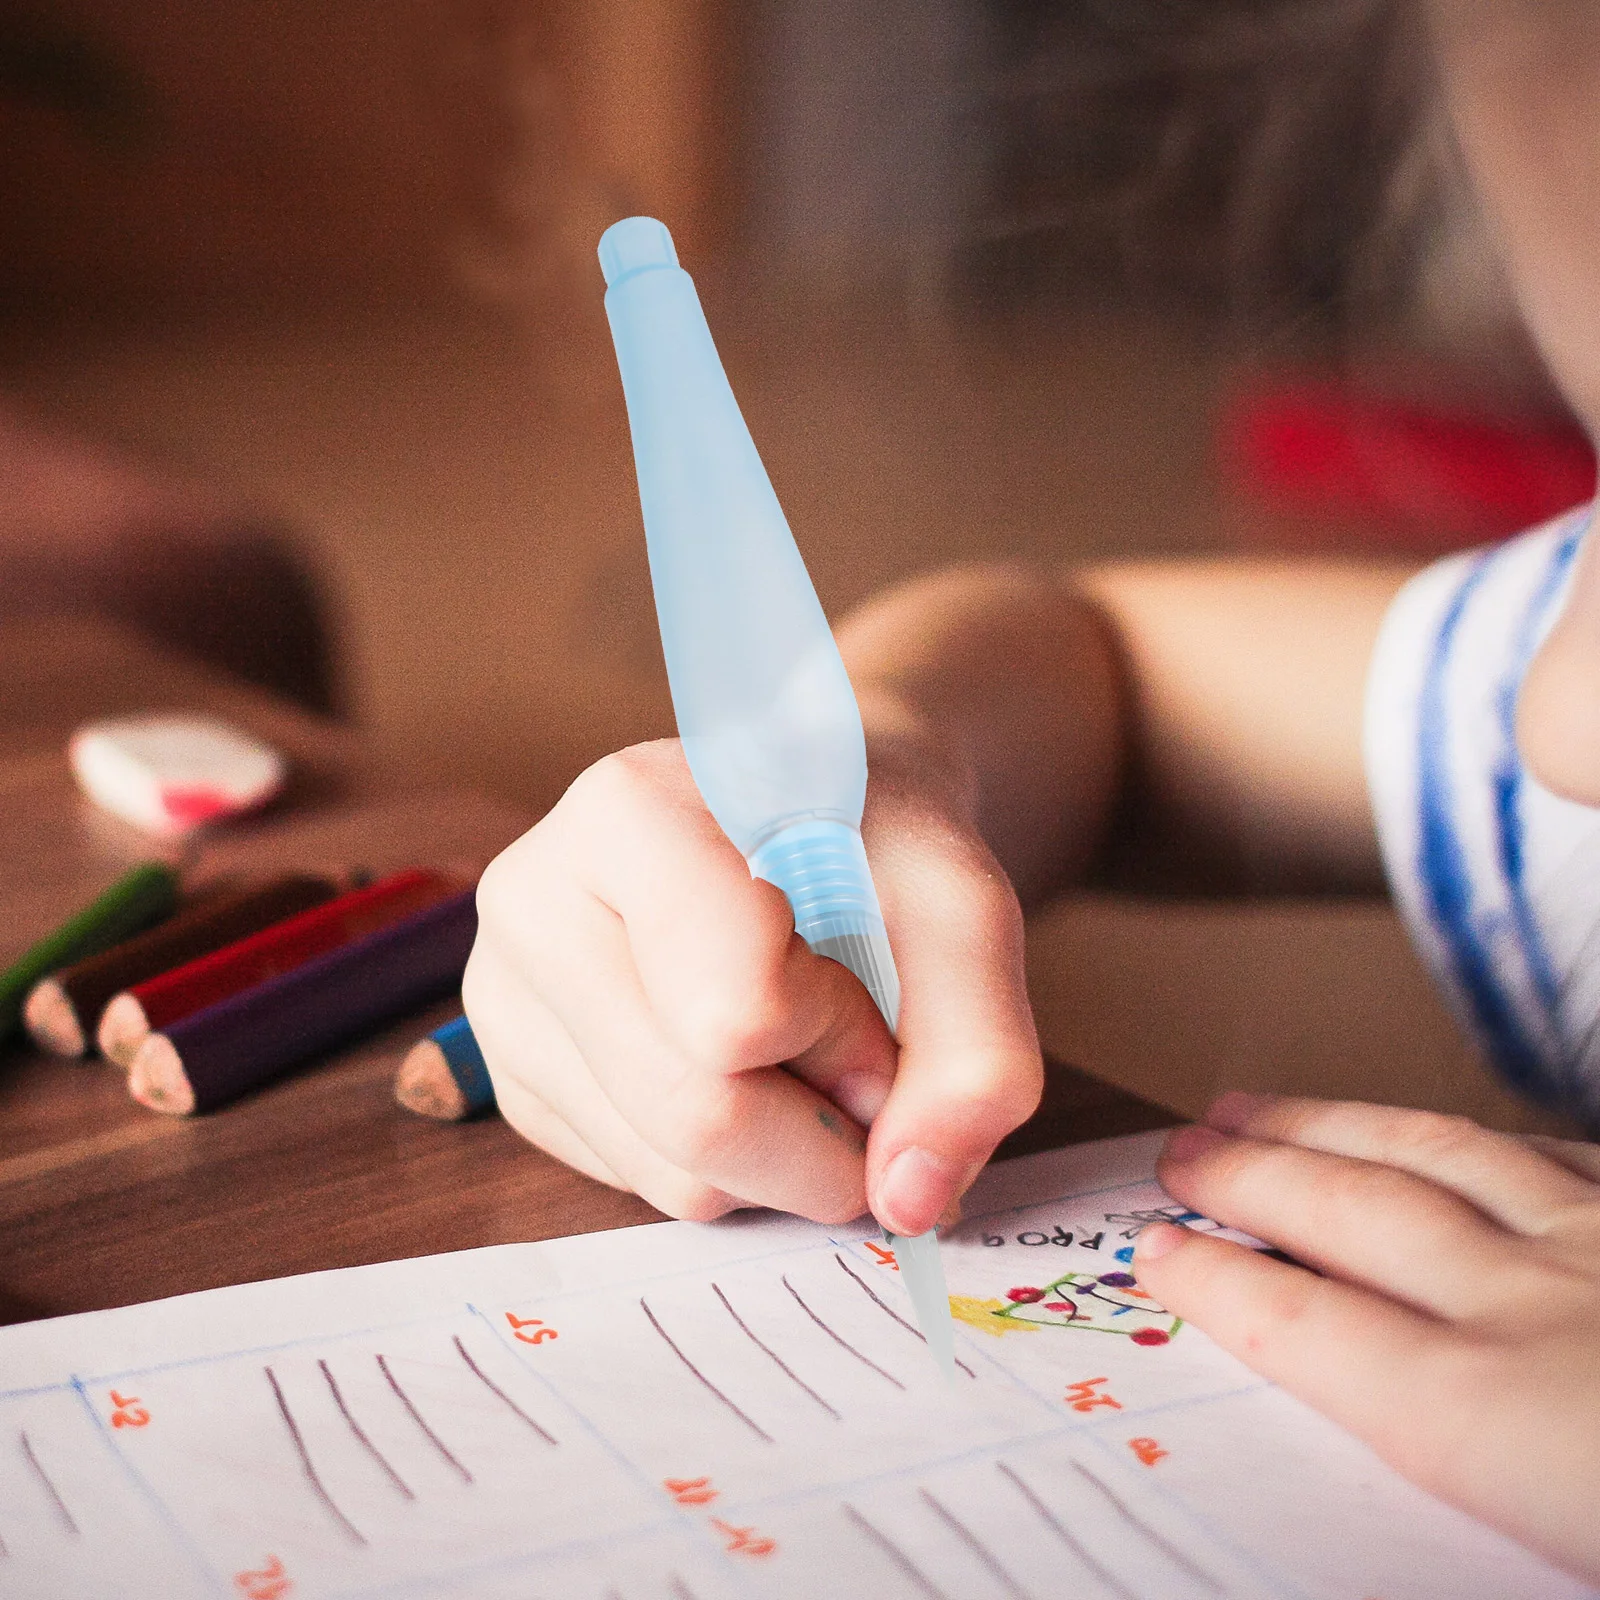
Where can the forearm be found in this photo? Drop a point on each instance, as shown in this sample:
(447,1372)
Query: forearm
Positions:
(1005,685)
(1245,683)
(1191,724)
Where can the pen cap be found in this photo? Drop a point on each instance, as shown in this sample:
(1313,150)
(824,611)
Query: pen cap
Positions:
(764,707)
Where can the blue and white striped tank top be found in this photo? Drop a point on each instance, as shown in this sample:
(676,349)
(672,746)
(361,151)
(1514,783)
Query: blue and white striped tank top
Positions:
(1498,879)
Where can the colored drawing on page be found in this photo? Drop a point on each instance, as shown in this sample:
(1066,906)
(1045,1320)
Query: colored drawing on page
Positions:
(1133,1223)
(987,1316)
(1107,1302)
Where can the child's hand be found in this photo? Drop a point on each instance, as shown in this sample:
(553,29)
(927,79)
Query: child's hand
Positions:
(1457,1329)
(649,1015)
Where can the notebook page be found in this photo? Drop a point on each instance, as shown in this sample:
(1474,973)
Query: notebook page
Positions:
(694,1412)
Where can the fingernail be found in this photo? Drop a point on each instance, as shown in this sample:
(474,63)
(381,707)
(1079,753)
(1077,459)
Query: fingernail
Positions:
(915,1188)
(861,1095)
(1188,1143)
(1158,1240)
(1231,1111)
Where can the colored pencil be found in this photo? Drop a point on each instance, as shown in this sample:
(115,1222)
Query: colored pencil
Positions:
(63,1009)
(162,1000)
(134,901)
(444,1075)
(222,1052)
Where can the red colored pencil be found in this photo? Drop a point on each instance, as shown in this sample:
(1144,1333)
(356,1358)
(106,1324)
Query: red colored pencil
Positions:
(229,1048)
(159,1001)
(64,1009)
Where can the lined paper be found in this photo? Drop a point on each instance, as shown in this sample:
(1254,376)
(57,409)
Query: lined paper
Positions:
(694,1412)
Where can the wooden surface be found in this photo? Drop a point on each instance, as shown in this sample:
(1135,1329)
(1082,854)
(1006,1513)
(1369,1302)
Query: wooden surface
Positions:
(103,1203)
(465,492)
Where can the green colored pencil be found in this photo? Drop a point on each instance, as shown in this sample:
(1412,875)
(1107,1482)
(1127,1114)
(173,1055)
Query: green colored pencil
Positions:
(134,901)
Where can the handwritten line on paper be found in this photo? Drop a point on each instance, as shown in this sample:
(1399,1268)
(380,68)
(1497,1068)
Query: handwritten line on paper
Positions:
(1064,1534)
(973,1543)
(313,1477)
(889,1311)
(767,1350)
(417,1417)
(1172,1552)
(749,1421)
(500,1394)
(895,1554)
(676,1587)
(68,1521)
(361,1434)
(839,1339)
(998,1502)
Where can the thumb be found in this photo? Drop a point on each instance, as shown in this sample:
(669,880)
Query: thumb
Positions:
(969,1068)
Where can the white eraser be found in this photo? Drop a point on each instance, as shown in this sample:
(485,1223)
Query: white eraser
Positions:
(172,772)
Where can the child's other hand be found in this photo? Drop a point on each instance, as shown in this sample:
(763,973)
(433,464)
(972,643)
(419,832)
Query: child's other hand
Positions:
(649,1015)
(1457,1324)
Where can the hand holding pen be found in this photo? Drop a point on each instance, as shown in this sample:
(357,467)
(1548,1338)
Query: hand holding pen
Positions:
(642,996)
(634,991)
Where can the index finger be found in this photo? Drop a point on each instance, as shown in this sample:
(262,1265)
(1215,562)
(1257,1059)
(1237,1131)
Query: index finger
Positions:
(1576,1155)
(1505,1179)
(1357,1357)
(726,977)
(1366,1221)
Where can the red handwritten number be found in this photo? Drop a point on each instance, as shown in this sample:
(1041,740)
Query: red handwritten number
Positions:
(885,1256)
(699,1492)
(267,1584)
(1082,1396)
(743,1541)
(690,1491)
(1148,1451)
(530,1330)
(128,1413)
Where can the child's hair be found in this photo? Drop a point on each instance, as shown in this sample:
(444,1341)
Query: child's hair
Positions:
(1286,156)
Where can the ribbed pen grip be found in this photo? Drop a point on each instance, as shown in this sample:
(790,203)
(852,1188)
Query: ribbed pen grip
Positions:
(867,955)
(822,867)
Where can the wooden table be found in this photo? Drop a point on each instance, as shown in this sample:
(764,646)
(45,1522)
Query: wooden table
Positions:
(103,1203)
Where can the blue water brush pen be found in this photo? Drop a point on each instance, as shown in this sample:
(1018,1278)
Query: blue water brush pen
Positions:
(765,710)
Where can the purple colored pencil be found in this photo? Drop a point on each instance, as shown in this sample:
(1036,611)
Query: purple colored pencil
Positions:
(223,1051)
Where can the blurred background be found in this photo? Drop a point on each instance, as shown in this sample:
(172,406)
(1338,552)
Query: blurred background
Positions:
(304,367)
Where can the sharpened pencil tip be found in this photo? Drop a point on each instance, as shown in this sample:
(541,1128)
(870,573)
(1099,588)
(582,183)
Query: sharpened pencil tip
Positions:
(51,1020)
(426,1085)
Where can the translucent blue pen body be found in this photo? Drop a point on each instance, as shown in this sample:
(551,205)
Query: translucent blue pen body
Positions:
(768,719)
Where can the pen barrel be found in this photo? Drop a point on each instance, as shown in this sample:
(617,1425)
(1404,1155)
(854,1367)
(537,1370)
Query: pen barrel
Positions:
(763,703)
(821,866)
